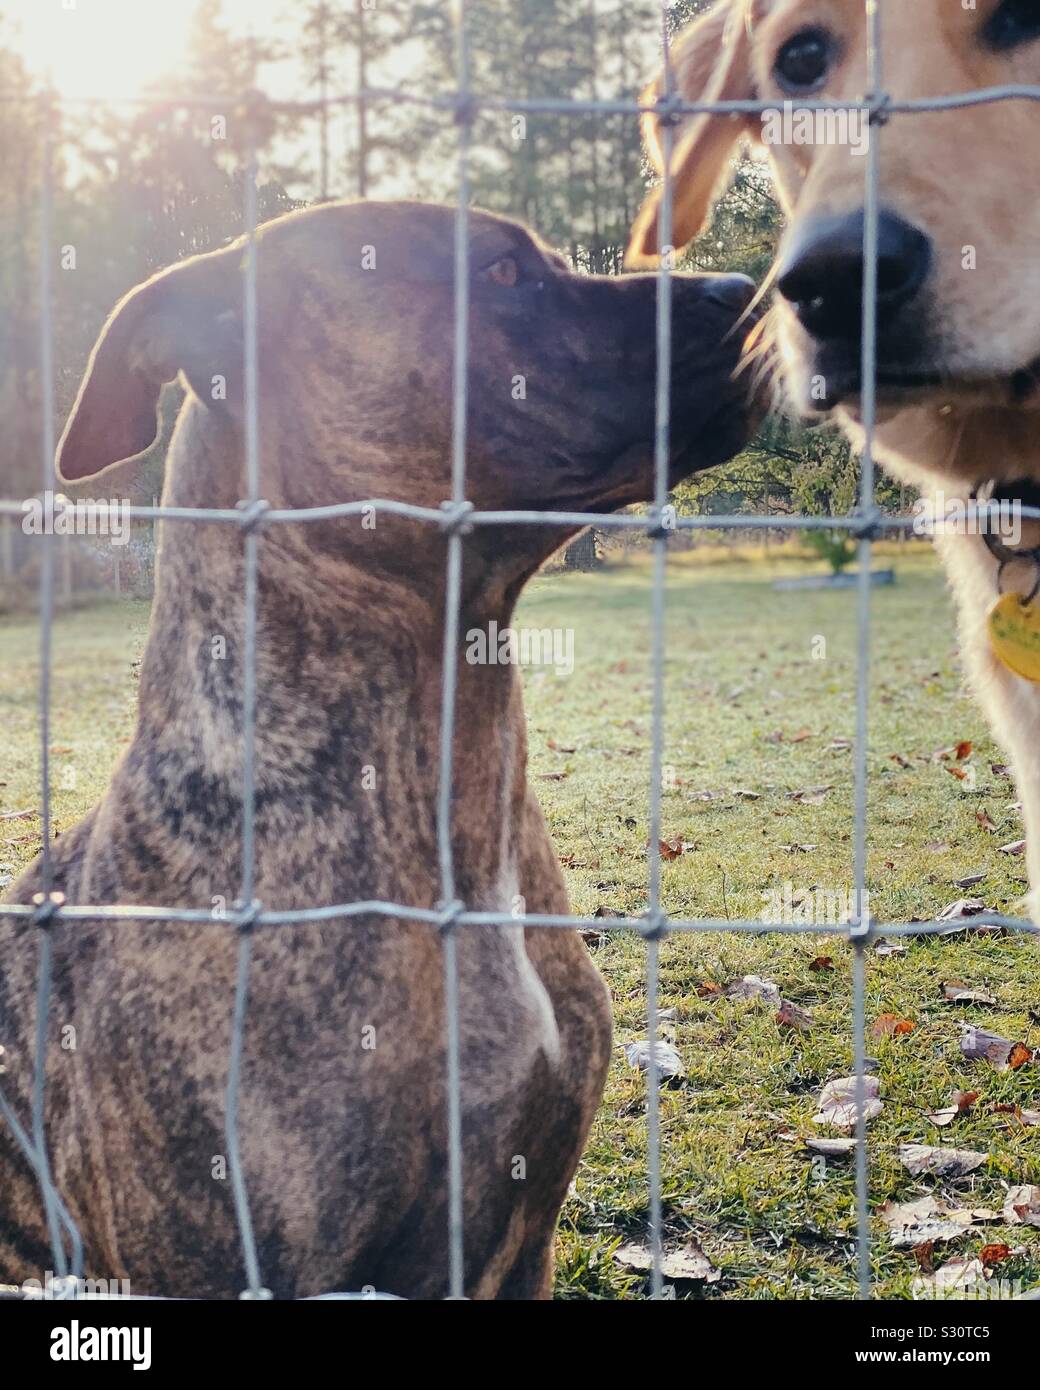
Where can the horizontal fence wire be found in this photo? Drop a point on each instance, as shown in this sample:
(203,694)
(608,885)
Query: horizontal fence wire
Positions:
(866,523)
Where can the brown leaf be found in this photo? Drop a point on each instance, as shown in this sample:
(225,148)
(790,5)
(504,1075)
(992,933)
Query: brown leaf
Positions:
(689,1263)
(1015,847)
(943,1163)
(837,1102)
(898,758)
(956,993)
(708,989)
(801,736)
(560,747)
(968,881)
(963,750)
(994,1254)
(985,821)
(791,1016)
(1019,1056)
(980,1045)
(959,1102)
(958,772)
(670,849)
(891,1026)
(924,1221)
(821,963)
(754,987)
(832,1148)
(1022,1206)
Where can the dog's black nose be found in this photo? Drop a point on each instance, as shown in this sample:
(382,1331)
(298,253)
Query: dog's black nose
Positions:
(823,273)
(731,291)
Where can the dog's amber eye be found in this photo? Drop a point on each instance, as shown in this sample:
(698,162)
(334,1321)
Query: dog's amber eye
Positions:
(504,272)
(1013,23)
(804,61)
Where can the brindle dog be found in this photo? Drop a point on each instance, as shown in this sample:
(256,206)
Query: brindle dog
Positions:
(343,1141)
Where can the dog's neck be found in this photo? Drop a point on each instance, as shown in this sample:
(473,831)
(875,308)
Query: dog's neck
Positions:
(347,725)
(957,448)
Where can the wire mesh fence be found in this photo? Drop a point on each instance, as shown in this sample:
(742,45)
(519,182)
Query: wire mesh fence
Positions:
(457,516)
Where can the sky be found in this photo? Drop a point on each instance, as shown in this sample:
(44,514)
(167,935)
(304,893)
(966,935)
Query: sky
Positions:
(114,48)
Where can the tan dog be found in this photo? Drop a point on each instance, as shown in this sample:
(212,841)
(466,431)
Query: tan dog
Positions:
(343,1105)
(958,269)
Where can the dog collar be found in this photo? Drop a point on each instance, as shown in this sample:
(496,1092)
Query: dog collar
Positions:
(1022,492)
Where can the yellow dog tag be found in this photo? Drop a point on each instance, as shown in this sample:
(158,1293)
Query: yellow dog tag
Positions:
(1014,634)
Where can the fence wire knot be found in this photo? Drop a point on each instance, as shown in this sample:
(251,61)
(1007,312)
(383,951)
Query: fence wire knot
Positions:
(252,513)
(867,525)
(879,106)
(668,109)
(449,916)
(48,906)
(654,925)
(246,916)
(467,108)
(456,518)
(861,929)
(657,530)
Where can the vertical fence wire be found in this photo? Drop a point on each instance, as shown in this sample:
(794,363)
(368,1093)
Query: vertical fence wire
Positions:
(245,916)
(449,683)
(860,935)
(656,918)
(45,920)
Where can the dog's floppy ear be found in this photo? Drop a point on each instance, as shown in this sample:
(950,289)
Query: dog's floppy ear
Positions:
(711,62)
(185,319)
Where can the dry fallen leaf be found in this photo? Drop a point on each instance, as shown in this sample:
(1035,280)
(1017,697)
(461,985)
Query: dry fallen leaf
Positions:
(925,1220)
(963,907)
(890,948)
(959,1102)
(900,760)
(1019,1056)
(957,993)
(832,1148)
(669,1063)
(962,1275)
(670,849)
(791,1016)
(689,1263)
(1022,1206)
(837,1102)
(891,1026)
(943,1163)
(985,821)
(1015,847)
(821,963)
(994,1254)
(968,881)
(754,987)
(979,1045)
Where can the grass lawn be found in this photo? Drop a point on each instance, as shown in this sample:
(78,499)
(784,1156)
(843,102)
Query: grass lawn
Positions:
(758,707)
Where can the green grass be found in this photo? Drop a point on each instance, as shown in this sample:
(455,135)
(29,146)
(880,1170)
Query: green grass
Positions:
(742,684)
